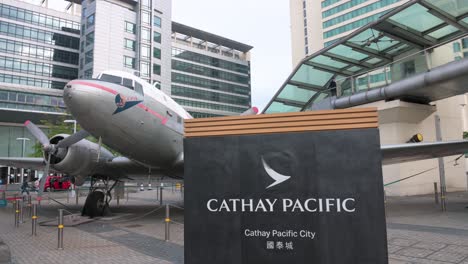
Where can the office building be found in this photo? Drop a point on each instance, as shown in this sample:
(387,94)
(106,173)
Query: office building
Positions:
(210,74)
(38,55)
(319,23)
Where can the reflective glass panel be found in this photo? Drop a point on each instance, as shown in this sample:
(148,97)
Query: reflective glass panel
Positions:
(443,32)
(292,92)
(417,18)
(453,7)
(307,74)
(277,107)
(374,60)
(327,61)
(348,52)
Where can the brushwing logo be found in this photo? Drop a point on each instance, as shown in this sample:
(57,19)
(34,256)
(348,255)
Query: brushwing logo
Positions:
(123,103)
(277,177)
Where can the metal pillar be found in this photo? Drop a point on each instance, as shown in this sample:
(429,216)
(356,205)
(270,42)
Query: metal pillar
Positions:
(160,196)
(34,220)
(29,206)
(436,193)
(22,211)
(443,187)
(77,194)
(17,211)
(60,229)
(167,220)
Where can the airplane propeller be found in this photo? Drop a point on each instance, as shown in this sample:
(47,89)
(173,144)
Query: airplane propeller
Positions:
(52,149)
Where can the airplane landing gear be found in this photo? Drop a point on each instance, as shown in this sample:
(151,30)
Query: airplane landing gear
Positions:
(99,197)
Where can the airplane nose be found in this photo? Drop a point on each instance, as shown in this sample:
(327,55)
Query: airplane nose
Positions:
(74,97)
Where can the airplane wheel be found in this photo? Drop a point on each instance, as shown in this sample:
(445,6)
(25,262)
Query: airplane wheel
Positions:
(94,204)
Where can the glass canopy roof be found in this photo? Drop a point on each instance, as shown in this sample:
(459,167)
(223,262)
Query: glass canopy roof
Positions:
(414,26)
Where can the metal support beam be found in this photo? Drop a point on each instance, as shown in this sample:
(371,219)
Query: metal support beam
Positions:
(368,51)
(349,61)
(449,19)
(306,86)
(443,187)
(328,68)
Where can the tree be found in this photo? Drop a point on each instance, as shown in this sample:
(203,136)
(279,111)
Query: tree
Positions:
(58,126)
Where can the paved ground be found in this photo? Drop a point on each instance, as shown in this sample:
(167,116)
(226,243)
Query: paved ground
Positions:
(417,232)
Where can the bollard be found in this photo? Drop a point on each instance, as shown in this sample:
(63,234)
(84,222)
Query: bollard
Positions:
(21,211)
(77,194)
(60,230)
(29,206)
(160,196)
(17,211)
(436,193)
(167,220)
(34,220)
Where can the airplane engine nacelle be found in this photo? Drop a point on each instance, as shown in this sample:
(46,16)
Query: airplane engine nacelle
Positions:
(78,160)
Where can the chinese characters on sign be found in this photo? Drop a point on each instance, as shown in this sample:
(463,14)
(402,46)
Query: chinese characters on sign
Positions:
(280,245)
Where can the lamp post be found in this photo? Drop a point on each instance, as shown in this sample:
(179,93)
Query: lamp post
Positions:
(74,124)
(22,155)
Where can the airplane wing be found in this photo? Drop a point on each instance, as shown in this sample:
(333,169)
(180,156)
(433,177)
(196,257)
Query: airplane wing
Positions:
(392,154)
(26,163)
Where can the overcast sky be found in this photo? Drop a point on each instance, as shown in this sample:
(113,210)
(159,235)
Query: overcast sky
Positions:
(263,24)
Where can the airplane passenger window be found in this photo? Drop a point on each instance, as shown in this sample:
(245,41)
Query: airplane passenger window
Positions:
(128,83)
(138,88)
(111,78)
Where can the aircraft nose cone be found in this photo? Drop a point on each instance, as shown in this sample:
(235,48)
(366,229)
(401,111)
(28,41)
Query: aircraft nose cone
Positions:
(74,97)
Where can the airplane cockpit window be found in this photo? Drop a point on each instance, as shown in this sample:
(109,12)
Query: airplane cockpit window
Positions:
(138,88)
(128,83)
(110,78)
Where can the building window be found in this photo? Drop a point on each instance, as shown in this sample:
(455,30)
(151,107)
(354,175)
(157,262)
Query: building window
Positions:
(90,38)
(157,37)
(306,50)
(130,27)
(90,21)
(88,73)
(305,31)
(157,21)
(157,53)
(145,34)
(130,44)
(465,54)
(145,51)
(82,46)
(83,28)
(81,63)
(145,2)
(456,47)
(145,17)
(129,62)
(89,56)
(157,69)
(465,43)
(144,69)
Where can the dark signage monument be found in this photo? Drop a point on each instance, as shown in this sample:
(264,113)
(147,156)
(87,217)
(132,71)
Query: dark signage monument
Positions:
(285,188)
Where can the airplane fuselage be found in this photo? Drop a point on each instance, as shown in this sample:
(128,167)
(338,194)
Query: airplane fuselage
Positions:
(143,125)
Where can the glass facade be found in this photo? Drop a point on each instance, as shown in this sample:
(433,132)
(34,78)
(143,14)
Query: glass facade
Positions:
(130,27)
(35,18)
(30,101)
(213,85)
(220,107)
(43,36)
(15,79)
(179,90)
(210,61)
(355,13)
(209,72)
(351,26)
(36,51)
(37,68)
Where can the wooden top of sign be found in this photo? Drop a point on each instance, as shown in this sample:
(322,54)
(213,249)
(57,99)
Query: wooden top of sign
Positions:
(282,123)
